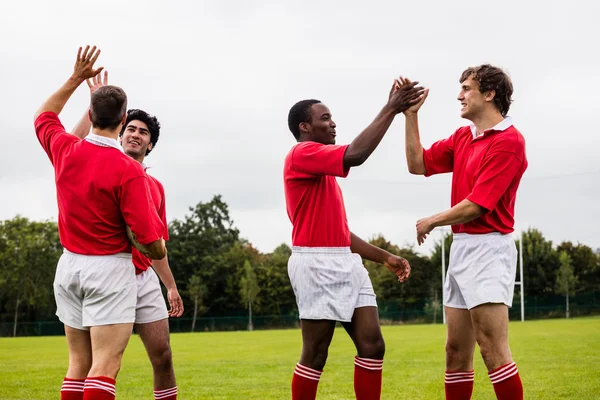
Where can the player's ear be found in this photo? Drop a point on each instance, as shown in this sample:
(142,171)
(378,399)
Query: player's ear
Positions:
(90,115)
(149,147)
(304,127)
(489,95)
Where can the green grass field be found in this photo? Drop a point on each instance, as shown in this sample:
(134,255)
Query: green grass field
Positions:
(557,359)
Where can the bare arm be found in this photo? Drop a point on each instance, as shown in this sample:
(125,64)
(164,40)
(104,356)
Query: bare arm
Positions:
(463,212)
(414,148)
(155,250)
(166,277)
(84,69)
(367,141)
(394,263)
(83,127)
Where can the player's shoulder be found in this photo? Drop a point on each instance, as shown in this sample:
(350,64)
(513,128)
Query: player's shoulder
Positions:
(128,167)
(153,180)
(510,140)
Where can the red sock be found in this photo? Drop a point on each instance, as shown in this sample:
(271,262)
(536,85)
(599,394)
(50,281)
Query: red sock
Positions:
(367,378)
(305,382)
(72,389)
(507,382)
(166,394)
(459,385)
(99,388)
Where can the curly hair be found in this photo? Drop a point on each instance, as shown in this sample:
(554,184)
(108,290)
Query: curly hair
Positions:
(300,112)
(492,78)
(149,120)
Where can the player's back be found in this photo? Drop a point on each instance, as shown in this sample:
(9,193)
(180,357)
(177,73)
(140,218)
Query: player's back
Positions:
(97,188)
(89,211)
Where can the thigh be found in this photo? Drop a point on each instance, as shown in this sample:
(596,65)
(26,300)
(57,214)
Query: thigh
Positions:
(364,327)
(490,323)
(155,336)
(460,341)
(109,341)
(317,332)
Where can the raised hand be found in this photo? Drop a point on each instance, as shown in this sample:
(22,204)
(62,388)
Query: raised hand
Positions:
(415,107)
(84,65)
(398,266)
(403,96)
(97,81)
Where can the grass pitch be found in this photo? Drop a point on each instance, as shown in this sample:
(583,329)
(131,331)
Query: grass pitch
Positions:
(557,359)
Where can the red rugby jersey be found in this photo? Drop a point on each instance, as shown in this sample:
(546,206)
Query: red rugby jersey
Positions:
(99,190)
(314,200)
(487,170)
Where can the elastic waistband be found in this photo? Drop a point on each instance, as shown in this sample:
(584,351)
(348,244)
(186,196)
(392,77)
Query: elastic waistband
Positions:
(118,255)
(482,236)
(320,250)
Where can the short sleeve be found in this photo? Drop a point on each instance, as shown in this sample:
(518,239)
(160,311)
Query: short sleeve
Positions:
(439,158)
(318,159)
(138,209)
(51,134)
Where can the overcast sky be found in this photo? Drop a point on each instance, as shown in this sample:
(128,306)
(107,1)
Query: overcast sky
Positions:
(221,77)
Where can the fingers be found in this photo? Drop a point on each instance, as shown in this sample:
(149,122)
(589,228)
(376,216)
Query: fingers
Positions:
(105,82)
(79,54)
(95,54)
(90,84)
(85,52)
(97,71)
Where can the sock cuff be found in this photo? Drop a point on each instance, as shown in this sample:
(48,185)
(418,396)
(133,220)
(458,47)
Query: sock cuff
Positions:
(165,393)
(452,377)
(502,373)
(100,383)
(368,363)
(72,385)
(308,373)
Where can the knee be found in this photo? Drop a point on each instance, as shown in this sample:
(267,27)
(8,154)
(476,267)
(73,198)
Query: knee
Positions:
(79,367)
(373,348)
(163,358)
(457,356)
(315,355)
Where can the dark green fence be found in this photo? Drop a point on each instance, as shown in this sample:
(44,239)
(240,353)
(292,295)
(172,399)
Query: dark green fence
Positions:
(536,307)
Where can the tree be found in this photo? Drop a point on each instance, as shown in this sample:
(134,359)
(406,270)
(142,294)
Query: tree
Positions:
(197,245)
(393,296)
(276,296)
(196,291)
(29,251)
(540,263)
(586,265)
(249,290)
(565,279)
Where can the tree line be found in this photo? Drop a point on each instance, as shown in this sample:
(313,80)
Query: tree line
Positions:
(219,273)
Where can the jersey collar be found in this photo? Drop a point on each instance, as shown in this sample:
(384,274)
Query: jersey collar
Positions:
(501,126)
(103,141)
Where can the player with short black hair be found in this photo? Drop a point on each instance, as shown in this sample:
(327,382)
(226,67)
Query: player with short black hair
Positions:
(325,269)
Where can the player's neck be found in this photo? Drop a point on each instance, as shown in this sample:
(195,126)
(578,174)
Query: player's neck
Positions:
(107,133)
(487,120)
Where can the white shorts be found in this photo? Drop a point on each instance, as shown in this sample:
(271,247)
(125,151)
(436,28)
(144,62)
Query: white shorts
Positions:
(151,304)
(482,270)
(95,290)
(329,283)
